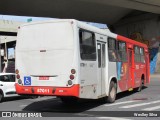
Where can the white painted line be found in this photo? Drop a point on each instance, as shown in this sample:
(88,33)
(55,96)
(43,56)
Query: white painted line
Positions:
(119,103)
(152,108)
(141,104)
(84,114)
(22,105)
(112,118)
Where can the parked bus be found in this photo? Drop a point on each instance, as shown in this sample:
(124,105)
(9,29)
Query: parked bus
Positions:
(70,59)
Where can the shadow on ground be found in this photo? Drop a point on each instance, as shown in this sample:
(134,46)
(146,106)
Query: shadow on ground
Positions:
(55,105)
(8,99)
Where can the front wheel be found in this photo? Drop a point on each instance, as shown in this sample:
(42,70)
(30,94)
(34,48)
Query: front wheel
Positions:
(112,93)
(1,97)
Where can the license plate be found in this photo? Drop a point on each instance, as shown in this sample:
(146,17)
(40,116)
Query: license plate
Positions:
(43,90)
(43,78)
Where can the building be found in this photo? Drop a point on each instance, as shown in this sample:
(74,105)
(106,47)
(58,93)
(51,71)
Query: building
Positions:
(8,33)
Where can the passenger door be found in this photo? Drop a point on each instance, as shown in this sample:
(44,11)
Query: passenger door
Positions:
(147,67)
(130,69)
(101,50)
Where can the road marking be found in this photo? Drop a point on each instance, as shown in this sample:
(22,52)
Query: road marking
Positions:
(152,108)
(84,114)
(140,104)
(22,105)
(119,103)
(112,118)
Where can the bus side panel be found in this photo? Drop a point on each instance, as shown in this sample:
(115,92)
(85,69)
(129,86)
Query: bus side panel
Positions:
(122,76)
(112,72)
(88,79)
(137,74)
(87,74)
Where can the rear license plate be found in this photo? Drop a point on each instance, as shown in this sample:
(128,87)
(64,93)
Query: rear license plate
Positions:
(43,90)
(43,78)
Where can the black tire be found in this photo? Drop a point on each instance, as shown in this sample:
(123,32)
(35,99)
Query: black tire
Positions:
(112,93)
(141,86)
(33,97)
(1,97)
(69,100)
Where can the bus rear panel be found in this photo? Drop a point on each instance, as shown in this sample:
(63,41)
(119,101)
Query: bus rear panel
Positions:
(45,59)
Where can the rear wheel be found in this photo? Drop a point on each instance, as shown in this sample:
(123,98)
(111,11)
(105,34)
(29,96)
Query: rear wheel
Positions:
(69,100)
(33,96)
(112,93)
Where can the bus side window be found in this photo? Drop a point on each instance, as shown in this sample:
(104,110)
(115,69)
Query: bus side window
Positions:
(122,53)
(112,50)
(137,57)
(142,55)
(87,45)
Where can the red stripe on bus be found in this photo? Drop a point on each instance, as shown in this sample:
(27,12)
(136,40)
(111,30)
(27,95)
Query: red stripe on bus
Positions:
(48,90)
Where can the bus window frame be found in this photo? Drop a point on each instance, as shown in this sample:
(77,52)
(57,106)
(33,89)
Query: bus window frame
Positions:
(140,47)
(94,40)
(120,41)
(115,50)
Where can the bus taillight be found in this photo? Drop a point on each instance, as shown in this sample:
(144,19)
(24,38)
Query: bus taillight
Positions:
(70,82)
(19,81)
(73,71)
(18,76)
(71,77)
(17,71)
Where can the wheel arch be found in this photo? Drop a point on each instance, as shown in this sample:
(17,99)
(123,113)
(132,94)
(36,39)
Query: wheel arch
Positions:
(1,92)
(114,79)
(143,78)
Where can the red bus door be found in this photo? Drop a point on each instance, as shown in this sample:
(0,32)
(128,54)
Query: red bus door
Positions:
(147,68)
(130,70)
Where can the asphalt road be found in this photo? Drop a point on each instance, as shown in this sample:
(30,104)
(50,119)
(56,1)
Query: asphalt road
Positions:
(148,100)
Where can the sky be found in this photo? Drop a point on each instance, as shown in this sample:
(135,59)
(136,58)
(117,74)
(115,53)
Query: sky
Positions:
(25,18)
(22,18)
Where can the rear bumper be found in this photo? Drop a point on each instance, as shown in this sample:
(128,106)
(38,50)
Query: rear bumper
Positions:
(48,90)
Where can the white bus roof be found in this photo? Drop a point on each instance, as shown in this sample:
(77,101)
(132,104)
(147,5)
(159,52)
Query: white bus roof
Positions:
(79,24)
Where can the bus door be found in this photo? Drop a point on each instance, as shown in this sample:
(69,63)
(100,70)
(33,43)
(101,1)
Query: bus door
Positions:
(130,69)
(101,49)
(147,67)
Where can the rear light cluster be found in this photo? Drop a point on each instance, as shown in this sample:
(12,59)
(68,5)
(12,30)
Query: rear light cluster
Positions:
(72,76)
(18,76)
